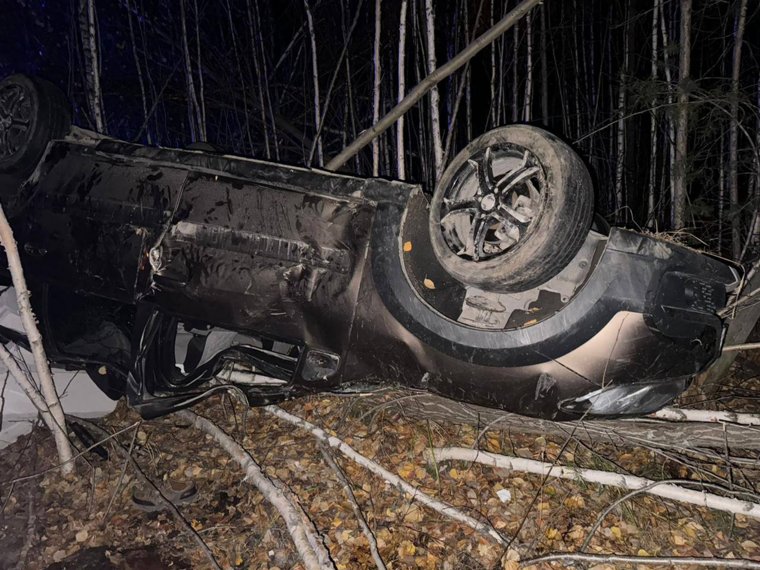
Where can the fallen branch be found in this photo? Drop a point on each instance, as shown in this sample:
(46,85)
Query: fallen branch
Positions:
(57,425)
(415,494)
(630,482)
(171,507)
(355,506)
(707,416)
(433,79)
(645,431)
(310,548)
(572,557)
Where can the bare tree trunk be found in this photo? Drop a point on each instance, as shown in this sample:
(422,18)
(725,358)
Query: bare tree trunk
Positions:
(315,77)
(651,218)
(376,89)
(682,118)
(435,118)
(259,81)
(544,70)
(265,79)
(192,98)
(87,19)
(400,155)
(527,104)
(621,211)
(243,90)
(201,95)
(733,132)
(494,103)
(139,70)
(57,424)
(669,117)
(721,193)
(515,76)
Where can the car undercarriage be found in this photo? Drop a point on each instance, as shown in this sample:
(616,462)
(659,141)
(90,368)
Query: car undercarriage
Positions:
(169,275)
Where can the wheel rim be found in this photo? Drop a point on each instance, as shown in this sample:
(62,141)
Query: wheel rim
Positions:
(15,119)
(492,202)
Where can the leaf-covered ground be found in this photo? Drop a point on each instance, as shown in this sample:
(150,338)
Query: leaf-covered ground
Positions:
(54,523)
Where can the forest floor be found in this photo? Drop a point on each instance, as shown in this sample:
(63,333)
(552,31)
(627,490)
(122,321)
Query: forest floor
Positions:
(48,522)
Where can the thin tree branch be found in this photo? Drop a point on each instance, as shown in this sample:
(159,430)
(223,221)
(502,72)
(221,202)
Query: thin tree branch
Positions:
(416,495)
(314,554)
(673,492)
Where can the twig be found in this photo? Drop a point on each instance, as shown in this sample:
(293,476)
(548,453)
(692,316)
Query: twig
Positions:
(104,520)
(354,505)
(708,416)
(159,495)
(572,557)
(311,550)
(416,495)
(610,479)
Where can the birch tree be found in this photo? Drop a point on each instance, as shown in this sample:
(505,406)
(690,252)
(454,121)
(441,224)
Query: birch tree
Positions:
(435,118)
(90,43)
(193,108)
(376,88)
(201,94)
(651,213)
(527,103)
(315,80)
(733,131)
(682,118)
(620,204)
(140,79)
(400,155)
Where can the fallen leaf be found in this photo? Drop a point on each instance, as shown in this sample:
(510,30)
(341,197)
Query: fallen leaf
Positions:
(406,548)
(407,246)
(575,502)
(428,283)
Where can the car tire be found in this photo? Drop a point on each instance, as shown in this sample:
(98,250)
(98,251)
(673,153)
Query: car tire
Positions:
(32,113)
(511,210)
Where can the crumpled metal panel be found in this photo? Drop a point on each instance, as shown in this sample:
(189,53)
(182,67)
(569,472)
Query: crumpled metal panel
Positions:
(90,218)
(256,257)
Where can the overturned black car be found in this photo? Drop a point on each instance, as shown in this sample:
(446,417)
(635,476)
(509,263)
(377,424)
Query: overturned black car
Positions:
(171,274)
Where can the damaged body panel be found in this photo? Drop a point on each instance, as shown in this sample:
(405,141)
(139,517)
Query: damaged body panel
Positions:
(169,275)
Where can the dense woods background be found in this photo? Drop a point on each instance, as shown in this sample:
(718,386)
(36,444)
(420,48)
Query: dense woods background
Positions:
(659,96)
